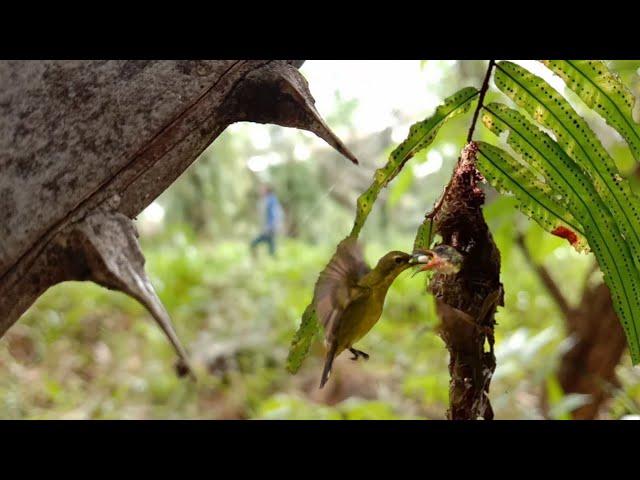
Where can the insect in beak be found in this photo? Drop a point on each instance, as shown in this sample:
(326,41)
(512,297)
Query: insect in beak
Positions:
(421,257)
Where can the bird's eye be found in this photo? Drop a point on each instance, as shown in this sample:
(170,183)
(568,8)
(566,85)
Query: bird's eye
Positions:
(398,260)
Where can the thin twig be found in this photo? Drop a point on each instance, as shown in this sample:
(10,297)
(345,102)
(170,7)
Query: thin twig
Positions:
(483,91)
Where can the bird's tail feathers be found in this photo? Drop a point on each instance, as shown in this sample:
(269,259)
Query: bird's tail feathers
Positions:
(328,363)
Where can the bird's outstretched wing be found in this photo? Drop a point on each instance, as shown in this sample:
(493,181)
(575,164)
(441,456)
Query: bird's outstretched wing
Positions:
(337,285)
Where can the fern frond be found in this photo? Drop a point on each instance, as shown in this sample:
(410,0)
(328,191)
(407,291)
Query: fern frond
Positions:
(536,199)
(424,235)
(421,135)
(599,225)
(573,134)
(603,91)
(302,340)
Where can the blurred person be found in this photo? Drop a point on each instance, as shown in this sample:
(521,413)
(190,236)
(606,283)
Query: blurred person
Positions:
(272,214)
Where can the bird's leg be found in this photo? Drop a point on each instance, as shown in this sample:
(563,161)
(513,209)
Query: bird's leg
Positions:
(358,353)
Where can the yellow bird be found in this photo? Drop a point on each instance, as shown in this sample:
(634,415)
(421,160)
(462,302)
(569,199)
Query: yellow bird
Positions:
(349,296)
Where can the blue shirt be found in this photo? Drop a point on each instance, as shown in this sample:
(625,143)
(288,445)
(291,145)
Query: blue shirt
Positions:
(272,212)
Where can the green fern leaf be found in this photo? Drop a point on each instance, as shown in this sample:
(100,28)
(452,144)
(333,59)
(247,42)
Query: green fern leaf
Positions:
(424,235)
(573,134)
(421,135)
(301,343)
(603,91)
(541,152)
(536,199)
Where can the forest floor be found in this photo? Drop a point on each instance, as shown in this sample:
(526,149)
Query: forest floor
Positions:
(85,352)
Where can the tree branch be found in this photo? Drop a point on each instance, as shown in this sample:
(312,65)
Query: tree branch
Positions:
(545,277)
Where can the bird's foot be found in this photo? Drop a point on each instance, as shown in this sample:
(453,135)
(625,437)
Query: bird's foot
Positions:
(358,353)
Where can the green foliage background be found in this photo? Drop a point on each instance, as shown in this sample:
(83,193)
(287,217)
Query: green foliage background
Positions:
(86,352)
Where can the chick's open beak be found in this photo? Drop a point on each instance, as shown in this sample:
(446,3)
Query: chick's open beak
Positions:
(442,259)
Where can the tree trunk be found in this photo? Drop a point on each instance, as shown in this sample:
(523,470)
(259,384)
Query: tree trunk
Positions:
(86,145)
(589,366)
